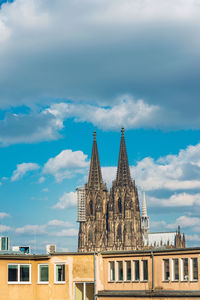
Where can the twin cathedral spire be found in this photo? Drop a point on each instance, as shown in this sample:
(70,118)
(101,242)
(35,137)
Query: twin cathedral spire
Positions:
(111,220)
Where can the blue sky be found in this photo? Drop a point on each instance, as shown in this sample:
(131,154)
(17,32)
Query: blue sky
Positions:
(67,68)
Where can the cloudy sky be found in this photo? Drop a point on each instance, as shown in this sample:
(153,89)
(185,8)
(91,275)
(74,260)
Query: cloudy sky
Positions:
(68,67)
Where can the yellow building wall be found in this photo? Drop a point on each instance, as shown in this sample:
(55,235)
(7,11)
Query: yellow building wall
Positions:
(105,284)
(78,268)
(160,283)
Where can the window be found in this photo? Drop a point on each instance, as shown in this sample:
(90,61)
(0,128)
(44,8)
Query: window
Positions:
(175,269)
(4,243)
(128,270)
(166,270)
(59,273)
(43,273)
(84,291)
(19,273)
(184,270)
(136,270)
(145,270)
(120,270)
(112,270)
(194,268)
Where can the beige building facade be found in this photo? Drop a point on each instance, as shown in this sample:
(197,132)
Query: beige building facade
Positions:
(160,274)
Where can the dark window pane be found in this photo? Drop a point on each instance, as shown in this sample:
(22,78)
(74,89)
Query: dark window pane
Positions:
(176,269)
(13,273)
(137,270)
(185,269)
(195,268)
(145,270)
(89,291)
(3,243)
(112,271)
(120,270)
(166,269)
(44,273)
(24,273)
(128,270)
(60,272)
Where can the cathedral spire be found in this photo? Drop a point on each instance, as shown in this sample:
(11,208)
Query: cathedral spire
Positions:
(95,177)
(144,206)
(123,171)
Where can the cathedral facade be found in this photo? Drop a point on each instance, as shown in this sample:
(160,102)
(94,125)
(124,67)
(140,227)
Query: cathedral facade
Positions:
(111,219)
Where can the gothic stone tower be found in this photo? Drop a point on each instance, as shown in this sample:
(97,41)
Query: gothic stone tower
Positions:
(112,222)
(124,224)
(92,231)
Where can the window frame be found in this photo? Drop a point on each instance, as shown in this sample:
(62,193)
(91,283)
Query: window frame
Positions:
(42,282)
(134,270)
(192,269)
(118,264)
(182,269)
(173,269)
(112,262)
(126,270)
(58,264)
(145,261)
(164,271)
(18,274)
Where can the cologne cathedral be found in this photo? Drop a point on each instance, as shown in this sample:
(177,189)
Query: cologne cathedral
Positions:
(111,220)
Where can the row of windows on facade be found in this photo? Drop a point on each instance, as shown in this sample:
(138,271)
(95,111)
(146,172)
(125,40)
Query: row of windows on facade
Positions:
(21,273)
(176,269)
(183,269)
(128,270)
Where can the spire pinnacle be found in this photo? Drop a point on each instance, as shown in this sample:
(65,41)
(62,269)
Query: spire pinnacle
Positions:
(95,177)
(123,171)
(144,206)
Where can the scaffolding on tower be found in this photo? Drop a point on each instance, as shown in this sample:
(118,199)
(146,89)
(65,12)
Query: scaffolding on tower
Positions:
(81,214)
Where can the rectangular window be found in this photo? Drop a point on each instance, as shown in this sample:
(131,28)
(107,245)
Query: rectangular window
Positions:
(128,270)
(12,273)
(43,273)
(19,273)
(136,270)
(60,273)
(24,273)
(175,266)
(120,270)
(145,270)
(194,268)
(184,269)
(4,243)
(166,270)
(112,270)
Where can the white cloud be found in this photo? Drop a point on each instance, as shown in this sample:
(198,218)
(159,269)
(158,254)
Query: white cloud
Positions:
(31,229)
(176,200)
(66,200)
(66,232)
(59,223)
(45,190)
(66,164)
(22,169)
(4,228)
(41,179)
(3,215)
(127,112)
(193,238)
(185,222)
